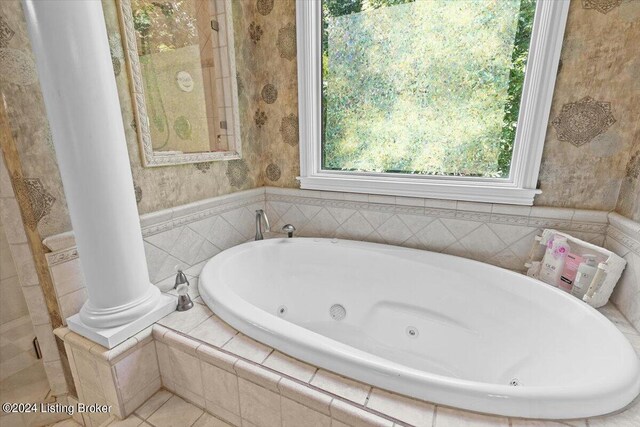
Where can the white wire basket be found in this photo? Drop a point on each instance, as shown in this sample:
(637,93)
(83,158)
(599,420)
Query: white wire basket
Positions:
(610,265)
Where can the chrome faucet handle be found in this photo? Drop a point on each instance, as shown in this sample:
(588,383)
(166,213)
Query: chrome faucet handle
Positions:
(289,229)
(181,279)
(182,289)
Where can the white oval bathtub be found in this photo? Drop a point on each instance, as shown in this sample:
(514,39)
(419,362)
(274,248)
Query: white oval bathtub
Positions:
(428,325)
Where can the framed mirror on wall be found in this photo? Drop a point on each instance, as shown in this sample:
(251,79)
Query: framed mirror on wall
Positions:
(181,63)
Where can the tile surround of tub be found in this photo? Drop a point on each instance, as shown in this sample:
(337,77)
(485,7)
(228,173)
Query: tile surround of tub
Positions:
(237,380)
(188,235)
(123,377)
(497,234)
(623,238)
(183,237)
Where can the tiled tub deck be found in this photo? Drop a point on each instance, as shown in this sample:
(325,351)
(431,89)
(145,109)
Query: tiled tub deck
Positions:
(241,381)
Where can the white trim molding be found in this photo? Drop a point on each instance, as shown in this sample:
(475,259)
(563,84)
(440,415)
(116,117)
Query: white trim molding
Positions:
(519,188)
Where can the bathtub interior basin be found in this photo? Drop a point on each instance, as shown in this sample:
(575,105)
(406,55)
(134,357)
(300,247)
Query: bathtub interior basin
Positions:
(432,326)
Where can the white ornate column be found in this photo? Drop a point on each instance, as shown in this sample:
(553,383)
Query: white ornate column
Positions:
(71,49)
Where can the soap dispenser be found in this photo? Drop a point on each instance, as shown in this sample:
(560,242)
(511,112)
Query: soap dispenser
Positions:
(182,288)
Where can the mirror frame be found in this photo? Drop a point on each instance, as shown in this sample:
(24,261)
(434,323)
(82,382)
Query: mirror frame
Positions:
(151,158)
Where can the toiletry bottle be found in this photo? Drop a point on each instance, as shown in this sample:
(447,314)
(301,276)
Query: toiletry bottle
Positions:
(537,251)
(586,271)
(596,283)
(533,269)
(553,261)
(569,272)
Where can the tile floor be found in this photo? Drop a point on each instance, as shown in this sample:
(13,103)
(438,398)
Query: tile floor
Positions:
(22,375)
(163,409)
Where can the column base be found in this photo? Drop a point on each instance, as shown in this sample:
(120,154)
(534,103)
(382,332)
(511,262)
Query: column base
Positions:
(111,337)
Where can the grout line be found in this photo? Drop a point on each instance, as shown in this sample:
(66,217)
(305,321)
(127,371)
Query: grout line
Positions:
(366,399)
(283,375)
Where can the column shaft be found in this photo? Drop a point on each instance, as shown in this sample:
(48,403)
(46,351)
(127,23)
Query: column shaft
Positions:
(69,41)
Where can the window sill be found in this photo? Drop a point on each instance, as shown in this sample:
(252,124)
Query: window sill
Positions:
(473,191)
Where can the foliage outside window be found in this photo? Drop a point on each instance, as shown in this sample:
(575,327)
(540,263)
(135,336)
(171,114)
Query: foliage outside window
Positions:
(423,87)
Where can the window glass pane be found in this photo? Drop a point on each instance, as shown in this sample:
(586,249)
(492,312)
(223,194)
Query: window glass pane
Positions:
(424,87)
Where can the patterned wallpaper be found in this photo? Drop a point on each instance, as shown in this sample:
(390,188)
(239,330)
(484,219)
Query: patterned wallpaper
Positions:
(155,188)
(629,199)
(593,128)
(591,152)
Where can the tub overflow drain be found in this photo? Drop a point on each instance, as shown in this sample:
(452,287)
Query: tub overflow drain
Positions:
(282,310)
(412,332)
(337,312)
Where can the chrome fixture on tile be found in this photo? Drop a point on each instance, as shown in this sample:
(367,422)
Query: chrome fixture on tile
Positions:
(260,216)
(182,288)
(289,229)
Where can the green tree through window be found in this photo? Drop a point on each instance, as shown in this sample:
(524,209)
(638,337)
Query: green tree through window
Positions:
(424,87)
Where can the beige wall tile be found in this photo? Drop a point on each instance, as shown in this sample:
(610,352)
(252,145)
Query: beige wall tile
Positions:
(71,303)
(258,375)
(295,415)
(92,397)
(186,371)
(87,371)
(217,358)
(259,405)
(447,417)
(164,364)
(307,396)
(35,303)
(107,377)
(181,342)
(355,416)
(25,266)
(67,277)
(137,370)
(221,388)
(56,377)
(411,411)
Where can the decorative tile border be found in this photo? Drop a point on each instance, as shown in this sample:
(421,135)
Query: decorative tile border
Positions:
(498,234)
(541,217)
(625,231)
(186,214)
(62,256)
(621,237)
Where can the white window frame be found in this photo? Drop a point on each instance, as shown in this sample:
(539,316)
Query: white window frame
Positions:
(519,188)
